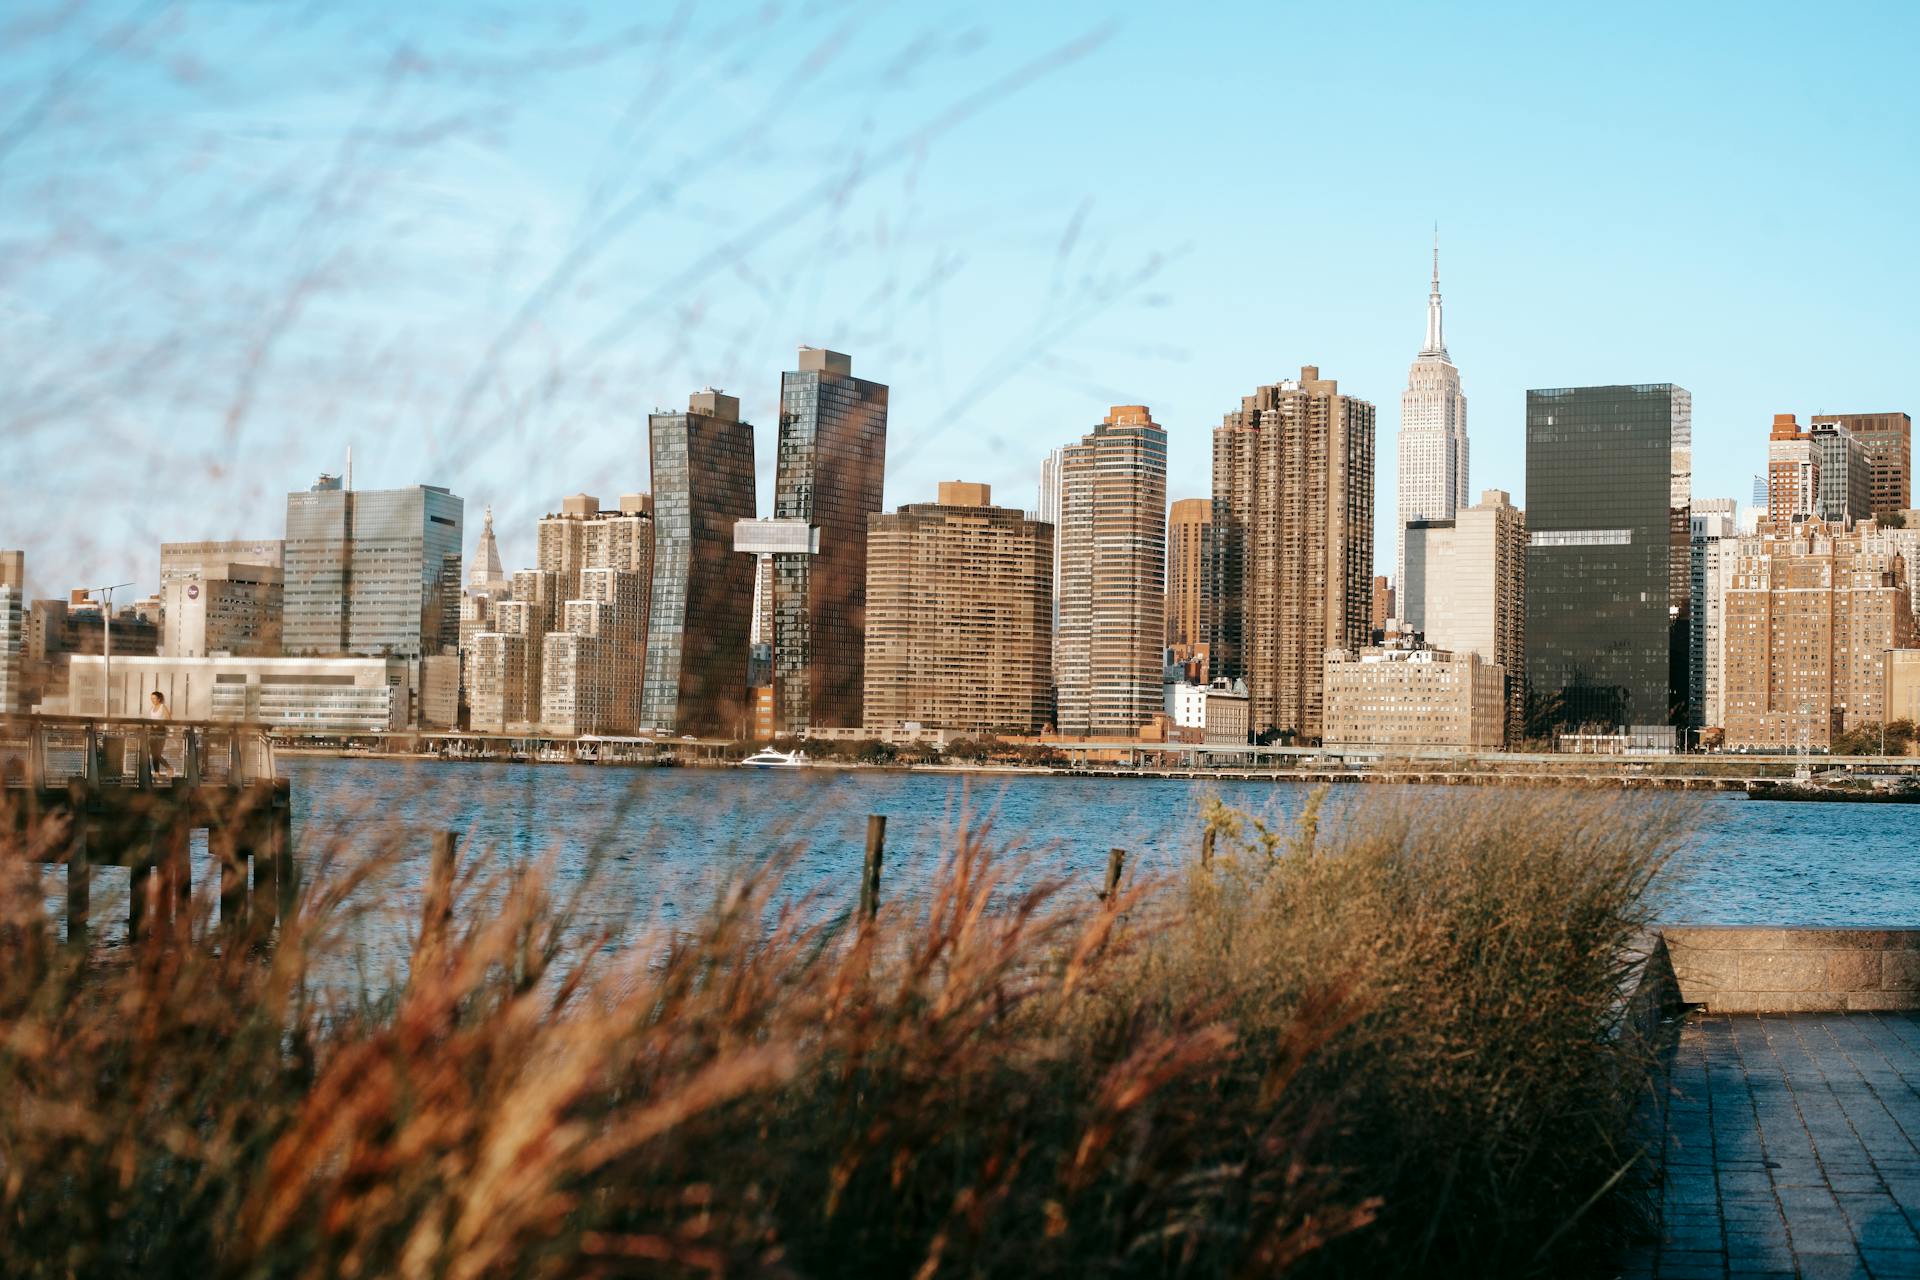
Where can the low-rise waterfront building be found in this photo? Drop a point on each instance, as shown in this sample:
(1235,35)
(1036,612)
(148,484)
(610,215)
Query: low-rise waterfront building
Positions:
(1213,713)
(1407,696)
(294,695)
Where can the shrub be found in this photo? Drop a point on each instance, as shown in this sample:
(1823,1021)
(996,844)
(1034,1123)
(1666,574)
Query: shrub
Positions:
(1377,1040)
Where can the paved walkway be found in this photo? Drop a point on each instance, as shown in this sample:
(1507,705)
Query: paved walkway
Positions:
(1791,1149)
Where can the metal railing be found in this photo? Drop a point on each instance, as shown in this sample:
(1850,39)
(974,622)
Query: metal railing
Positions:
(49,752)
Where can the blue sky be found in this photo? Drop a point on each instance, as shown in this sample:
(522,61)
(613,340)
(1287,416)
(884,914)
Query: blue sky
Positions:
(480,243)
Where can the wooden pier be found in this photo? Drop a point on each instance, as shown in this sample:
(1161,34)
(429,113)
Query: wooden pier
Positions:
(87,793)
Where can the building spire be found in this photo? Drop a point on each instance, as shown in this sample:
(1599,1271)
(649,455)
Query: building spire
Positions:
(1436,334)
(487,573)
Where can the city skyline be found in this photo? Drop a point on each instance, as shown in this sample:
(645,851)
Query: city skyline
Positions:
(1573,256)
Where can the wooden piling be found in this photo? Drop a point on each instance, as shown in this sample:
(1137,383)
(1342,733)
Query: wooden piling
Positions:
(436,908)
(255,822)
(870,873)
(286,876)
(225,847)
(1116,862)
(173,854)
(79,866)
(139,877)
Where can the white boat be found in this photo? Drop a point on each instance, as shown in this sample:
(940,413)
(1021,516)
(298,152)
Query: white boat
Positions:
(768,758)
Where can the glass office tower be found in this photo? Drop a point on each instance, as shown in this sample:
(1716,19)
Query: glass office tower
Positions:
(829,468)
(701,612)
(372,572)
(1609,482)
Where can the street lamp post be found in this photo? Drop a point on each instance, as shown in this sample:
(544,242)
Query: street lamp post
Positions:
(106,645)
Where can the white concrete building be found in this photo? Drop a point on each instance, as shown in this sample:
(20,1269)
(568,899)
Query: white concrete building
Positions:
(1433,481)
(1714,521)
(296,695)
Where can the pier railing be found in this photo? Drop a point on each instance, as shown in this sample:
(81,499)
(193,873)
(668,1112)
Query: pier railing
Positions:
(92,792)
(45,753)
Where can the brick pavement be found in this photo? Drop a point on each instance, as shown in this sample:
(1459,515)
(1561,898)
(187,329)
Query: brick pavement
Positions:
(1791,1149)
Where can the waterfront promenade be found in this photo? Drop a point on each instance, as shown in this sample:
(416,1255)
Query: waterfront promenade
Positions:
(1789,1149)
(1789,1127)
(1758,775)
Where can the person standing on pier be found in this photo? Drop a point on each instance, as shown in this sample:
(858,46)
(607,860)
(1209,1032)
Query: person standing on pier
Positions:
(158,711)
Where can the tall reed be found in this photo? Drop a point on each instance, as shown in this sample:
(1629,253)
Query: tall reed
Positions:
(1379,1039)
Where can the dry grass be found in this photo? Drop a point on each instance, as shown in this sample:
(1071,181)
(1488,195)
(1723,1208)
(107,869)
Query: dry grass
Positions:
(1377,1041)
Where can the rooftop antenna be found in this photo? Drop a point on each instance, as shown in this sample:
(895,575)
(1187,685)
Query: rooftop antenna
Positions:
(350,447)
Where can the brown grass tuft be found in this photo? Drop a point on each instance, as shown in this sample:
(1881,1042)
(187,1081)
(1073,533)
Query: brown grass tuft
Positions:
(1379,1040)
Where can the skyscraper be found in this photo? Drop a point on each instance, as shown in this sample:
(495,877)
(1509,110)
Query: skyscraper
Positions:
(1433,433)
(1113,575)
(372,572)
(1609,480)
(702,595)
(1888,439)
(1049,513)
(13,630)
(829,469)
(959,616)
(1189,575)
(1466,590)
(1293,545)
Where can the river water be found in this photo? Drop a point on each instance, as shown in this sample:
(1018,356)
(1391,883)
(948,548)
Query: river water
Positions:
(661,838)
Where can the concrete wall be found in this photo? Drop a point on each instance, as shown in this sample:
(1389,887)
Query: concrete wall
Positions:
(1795,970)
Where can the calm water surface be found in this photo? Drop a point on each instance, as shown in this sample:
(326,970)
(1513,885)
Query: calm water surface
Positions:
(663,836)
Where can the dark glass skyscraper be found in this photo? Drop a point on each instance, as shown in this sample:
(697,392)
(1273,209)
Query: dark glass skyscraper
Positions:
(374,572)
(702,598)
(1609,481)
(829,471)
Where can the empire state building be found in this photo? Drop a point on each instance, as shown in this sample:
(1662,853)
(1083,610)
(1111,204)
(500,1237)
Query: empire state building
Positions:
(1433,433)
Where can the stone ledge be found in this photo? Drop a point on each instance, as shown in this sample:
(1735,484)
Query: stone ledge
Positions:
(1749,969)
